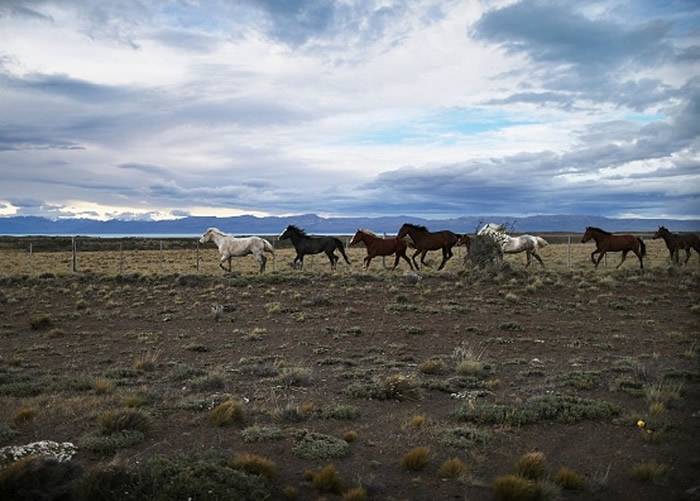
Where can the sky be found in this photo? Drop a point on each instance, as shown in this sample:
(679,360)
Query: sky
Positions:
(146,109)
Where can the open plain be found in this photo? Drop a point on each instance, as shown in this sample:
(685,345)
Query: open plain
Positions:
(245,386)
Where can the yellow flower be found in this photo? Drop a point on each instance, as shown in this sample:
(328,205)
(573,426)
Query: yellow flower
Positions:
(641,423)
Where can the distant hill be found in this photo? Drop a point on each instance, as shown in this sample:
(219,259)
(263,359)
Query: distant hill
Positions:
(19,225)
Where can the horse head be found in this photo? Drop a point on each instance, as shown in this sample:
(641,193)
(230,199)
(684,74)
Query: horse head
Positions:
(357,238)
(587,235)
(208,235)
(661,232)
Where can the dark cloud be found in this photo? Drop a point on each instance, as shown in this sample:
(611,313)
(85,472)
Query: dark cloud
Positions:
(576,58)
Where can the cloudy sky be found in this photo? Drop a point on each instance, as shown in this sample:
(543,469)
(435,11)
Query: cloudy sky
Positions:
(155,109)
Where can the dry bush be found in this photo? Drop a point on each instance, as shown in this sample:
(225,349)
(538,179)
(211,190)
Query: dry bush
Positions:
(531,465)
(452,468)
(515,488)
(416,459)
(567,478)
(226,413)
(355,494)
(104,385)
(326,480)
(254,464)
(147,361)
(350,436)
(120,420)
(24,415)
(650,471)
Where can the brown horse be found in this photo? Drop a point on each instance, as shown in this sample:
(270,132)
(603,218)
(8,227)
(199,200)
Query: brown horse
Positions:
(378,246)
(607,242)
(675,242)
(467,242)
(424,241)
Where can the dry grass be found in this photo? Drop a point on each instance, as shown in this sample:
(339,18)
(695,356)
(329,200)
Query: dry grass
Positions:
(649,472)
(124,419)
(452,468)
(355,494)
(326,479)
(147,361)
(104,385)
(567,478)
(416,459)
(350,436)
(227,413)
(531,465)
(515,488)
(24,415)
(417,421)
(255,465)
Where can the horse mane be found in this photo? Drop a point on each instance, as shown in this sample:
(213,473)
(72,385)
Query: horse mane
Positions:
(416,226)
(300,231)
(600,230)
(368,232)
(214,229)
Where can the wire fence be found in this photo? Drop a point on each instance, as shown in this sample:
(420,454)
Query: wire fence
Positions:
(81,254)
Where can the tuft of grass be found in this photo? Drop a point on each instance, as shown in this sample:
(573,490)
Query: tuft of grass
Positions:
(515,488)
(38,478)
(657,409)
(416,459)
(327,480)
(54,333)
(103,385)
(531,465)
(395,387)
(355,494)
(650,471)
(343,412)
(433,366)
(124,419)
(40,322)
(417,421)
(294,376)
(255,465)
(350,436)
(108,444)
(568,479)
(24,415)
(452,468)
(463,437)
(211,382)
(227,413)
(468,362)
(664,392)
(147,361)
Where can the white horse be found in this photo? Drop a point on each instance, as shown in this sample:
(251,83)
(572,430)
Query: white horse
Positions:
(513,245)
(230,247)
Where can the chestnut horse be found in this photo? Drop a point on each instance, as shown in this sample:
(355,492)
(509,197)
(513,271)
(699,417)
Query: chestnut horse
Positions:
(675,242)
(378,246)
(607,242)
(424,241)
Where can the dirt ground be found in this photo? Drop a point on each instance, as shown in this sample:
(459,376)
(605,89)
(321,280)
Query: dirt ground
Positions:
(483,367)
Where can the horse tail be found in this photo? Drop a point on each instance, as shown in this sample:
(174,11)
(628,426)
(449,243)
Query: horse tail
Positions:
(642,246)
(541,242)
(267,247)
(339,245)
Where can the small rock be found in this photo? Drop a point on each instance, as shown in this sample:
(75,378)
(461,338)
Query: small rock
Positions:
(411,277)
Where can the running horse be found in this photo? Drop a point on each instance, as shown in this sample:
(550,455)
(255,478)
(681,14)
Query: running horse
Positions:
(424,241)
(677,242)
(378,246)
(607,242)
(306,244)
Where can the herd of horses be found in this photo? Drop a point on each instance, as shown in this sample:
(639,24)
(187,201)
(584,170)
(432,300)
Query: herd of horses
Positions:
(422,241)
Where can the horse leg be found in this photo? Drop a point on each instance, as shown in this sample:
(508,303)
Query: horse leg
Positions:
(396,261)
(593,254)
(529,258)
(368,259)
(262,260)
(444,258)
(405,257)
(413,258)
(624,255)
(600,258)
(687,255)
(332,258)
(422,259)
(537,256)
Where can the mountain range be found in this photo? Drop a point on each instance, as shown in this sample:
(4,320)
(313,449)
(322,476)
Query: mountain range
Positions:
(272,225)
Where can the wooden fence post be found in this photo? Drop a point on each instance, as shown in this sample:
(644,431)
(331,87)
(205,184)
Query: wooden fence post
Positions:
(31,269)
(121,259)
(74,258)
(161,256)
(197,256)
(568,250)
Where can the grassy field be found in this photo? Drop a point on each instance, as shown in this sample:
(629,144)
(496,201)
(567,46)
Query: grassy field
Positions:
(152,260)
(469,384)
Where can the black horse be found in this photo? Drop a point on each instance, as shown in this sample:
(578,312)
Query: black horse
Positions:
(304,244)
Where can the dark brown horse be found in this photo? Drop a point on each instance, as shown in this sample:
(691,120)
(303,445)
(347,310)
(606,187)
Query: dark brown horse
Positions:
(378,246)
(424,241)
(677,242)
(607,242)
